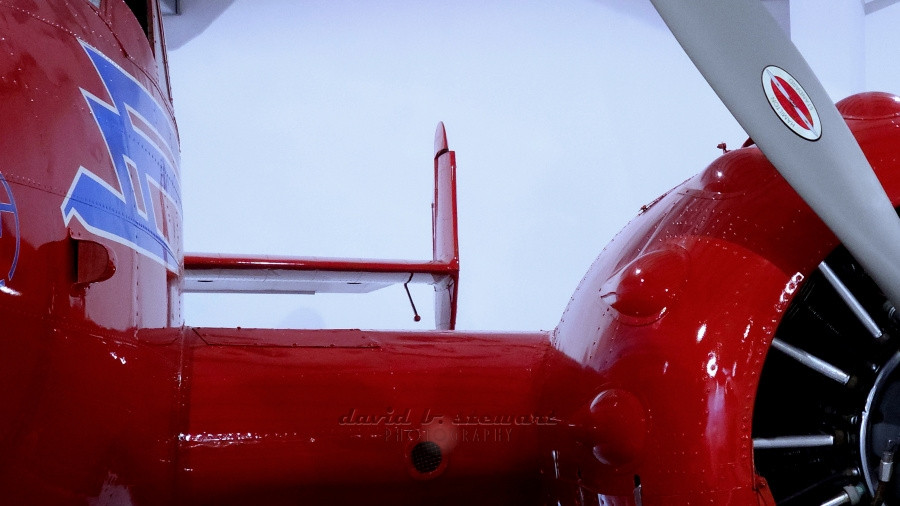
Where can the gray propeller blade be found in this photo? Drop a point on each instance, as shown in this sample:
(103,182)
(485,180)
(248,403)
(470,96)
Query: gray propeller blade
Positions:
(771,91)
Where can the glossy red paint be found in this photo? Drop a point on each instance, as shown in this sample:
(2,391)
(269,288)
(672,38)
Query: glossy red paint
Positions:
(649,378)
(349,406)
(90,395)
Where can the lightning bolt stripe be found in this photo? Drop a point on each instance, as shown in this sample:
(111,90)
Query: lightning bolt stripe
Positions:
(142,144)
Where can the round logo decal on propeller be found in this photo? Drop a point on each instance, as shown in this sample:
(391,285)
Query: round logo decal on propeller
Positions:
(791,103)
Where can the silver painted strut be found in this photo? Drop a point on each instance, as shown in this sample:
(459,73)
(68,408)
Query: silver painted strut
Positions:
(851,301)
(793,442)
(815,363)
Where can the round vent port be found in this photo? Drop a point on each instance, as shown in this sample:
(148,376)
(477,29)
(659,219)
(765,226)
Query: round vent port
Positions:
(426,456)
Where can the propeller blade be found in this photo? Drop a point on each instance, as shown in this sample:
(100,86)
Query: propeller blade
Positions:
(771,91)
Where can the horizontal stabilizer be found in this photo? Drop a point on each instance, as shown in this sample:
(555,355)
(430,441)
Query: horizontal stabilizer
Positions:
(267,274)
(218,273)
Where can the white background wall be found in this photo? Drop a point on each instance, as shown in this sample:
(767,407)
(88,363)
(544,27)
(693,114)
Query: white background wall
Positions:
(307,130)
(882,58)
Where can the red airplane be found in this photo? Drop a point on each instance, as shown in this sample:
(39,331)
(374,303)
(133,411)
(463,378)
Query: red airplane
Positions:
(733,345)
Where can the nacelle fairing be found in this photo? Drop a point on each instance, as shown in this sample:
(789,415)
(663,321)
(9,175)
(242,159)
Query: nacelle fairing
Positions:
(680,310)
(90,253)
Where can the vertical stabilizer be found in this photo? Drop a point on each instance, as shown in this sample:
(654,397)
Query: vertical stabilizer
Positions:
(444,229)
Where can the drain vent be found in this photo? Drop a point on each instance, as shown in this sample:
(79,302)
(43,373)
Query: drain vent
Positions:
(426,456)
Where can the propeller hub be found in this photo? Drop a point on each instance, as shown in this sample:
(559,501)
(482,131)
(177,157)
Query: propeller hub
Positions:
(881,424)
